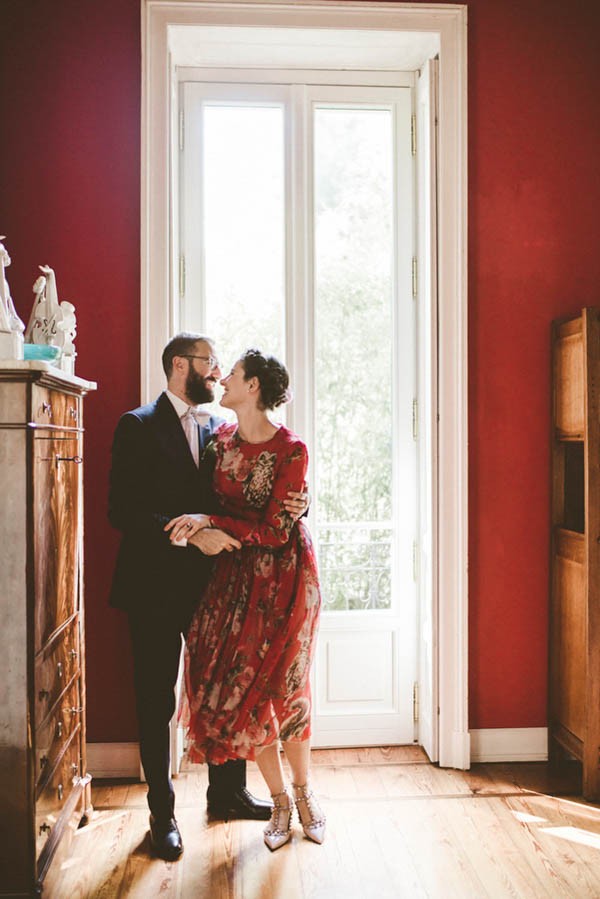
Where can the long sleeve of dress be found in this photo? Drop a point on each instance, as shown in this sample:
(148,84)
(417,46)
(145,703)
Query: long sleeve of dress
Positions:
(274,527)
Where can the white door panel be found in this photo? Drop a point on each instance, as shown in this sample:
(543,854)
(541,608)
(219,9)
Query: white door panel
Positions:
(356,674)
(365,487)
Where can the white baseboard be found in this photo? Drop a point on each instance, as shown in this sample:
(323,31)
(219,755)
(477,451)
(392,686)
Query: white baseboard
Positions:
(510,744)
(113,760)
(498,744)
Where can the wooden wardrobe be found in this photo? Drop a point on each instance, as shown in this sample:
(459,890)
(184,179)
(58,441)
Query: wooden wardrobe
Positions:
(44,786)
(574,649)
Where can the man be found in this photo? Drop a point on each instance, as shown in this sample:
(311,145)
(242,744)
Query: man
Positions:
(158,472)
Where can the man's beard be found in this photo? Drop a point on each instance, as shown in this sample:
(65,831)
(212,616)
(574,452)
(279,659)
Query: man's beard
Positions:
(196,388)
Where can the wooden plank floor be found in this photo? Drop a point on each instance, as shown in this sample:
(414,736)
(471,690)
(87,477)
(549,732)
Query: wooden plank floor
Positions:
(397,827)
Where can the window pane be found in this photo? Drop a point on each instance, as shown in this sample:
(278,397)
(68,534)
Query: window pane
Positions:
(243,225)
(355,565)
(354,229)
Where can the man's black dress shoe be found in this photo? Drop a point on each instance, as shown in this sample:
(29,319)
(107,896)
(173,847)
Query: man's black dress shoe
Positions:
(165,838)
(238,804)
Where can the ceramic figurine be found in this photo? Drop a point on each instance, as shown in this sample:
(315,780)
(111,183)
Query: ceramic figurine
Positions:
(11,326)
(52,323)
(39,307)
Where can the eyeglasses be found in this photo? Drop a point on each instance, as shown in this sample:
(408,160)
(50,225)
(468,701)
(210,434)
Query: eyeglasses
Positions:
(213,362)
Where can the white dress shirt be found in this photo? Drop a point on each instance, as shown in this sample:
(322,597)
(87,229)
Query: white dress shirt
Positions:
(190,417)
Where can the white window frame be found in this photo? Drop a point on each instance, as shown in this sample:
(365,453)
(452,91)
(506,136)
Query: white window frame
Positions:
(449,22)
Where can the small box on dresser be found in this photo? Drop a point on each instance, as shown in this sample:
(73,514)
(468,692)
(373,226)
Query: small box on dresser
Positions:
(44,785)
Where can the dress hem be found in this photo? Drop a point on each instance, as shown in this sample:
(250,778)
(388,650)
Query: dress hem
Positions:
(200,757)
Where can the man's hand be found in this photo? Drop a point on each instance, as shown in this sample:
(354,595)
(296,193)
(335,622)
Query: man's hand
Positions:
(297,503)
(185,525)
(212,541)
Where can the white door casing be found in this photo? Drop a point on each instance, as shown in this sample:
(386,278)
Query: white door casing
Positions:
(159,294)
(426,118)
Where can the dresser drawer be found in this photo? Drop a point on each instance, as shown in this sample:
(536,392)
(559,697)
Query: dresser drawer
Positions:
(56,792)
(51,407)
(56,731)
(54,669)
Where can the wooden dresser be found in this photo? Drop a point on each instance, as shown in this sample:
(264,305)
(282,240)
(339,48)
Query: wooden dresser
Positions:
(574,695)
(44,787)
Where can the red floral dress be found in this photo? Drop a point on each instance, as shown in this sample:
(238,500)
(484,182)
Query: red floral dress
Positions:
(250,644)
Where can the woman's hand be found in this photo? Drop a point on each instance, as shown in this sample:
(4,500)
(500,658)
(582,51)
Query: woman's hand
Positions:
(297,503)
(186,525)
(212,541)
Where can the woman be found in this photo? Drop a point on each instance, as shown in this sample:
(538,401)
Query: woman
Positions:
(250,644)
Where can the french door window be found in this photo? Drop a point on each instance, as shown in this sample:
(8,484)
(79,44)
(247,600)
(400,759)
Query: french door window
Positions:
(296,236)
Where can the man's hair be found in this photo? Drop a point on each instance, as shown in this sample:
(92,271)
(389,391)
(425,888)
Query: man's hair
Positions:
(181,345)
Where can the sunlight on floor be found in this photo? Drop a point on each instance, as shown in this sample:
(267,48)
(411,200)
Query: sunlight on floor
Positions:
(574,834)
(101,821)
(526,818)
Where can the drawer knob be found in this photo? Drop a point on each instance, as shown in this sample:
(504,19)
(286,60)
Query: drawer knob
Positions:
(47,408)
(73,653)
(73,413)
(75,768)
(60,792)
(59,670)
(43,694)
(59,729)
(44,761)
(75,710)
(44,828)
(76,459)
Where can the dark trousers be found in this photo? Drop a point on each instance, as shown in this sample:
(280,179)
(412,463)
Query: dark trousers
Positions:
(156,642)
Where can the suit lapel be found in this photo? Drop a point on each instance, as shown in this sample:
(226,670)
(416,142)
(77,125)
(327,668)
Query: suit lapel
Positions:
(204,432)
(171,435)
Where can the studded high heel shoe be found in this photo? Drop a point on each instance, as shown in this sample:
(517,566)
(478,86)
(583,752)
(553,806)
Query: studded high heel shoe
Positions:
(279,829)
(312,817)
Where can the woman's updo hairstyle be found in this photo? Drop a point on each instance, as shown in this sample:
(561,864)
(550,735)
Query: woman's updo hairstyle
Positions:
(272,376)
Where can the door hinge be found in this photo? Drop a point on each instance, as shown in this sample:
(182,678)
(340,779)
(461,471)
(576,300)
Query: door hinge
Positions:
(413,135)
(414,277)
(415,702)
(181,275)
(415,418)
(181,130)
(415,561)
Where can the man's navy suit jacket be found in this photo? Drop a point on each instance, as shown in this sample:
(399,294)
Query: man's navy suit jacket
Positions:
(154,478)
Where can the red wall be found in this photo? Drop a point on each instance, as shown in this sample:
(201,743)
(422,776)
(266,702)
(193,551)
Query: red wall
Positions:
(534,75)
(69,196)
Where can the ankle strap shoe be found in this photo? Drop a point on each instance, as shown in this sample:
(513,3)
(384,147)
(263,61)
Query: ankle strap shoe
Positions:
(312,817)
(279,829)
